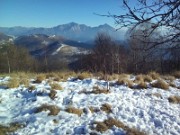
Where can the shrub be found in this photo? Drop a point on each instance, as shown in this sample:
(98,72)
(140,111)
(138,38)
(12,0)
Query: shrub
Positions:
(74,110)
(106,108)
(174,99)
(13,83)
(54,110)
(161,84)
(55,86)
(40,78)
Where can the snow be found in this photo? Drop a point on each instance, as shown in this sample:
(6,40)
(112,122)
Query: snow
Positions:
(58,49)
(135,108)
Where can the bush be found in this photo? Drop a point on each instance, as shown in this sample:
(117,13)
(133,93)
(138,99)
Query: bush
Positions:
(174,99)
(74,110)
(54,110)
(161,84)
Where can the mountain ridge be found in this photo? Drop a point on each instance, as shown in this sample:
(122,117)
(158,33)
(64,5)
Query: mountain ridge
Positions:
(72,30)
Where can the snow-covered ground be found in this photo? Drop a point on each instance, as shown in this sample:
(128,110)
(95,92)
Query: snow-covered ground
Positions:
(136,108)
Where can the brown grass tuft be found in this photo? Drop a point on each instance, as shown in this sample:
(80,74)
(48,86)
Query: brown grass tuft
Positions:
(52,94)
(13,83)
(25,82)
(4,130)
(84,75)
(126,82)
(55,86)
(101,127)
(174,99)
(74,110)
(176,74)
(161,84)
(154,75)
(106,108)
(40,78)
(54,110)
(133,131)
(158,95)
(109,123)
(142,85)
(31,88)
(96,90)
(169,77)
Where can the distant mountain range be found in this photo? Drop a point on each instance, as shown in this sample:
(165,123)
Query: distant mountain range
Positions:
(73,31)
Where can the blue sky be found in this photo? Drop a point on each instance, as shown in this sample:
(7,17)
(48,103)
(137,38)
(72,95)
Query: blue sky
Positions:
(49,13)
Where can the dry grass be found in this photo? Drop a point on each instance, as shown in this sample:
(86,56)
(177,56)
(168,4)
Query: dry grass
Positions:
(158,95)
(31,88)
(54,110)
(74,110)
(142,85)
(4,130)
(169,77)
(109,123)
(176,74)
(172,85)
(96,90)
(143,78)
(84,75)
(174,99)
(154,75)
(13,83)
(126,82)
(161,84)
(52,94)
(24,81)
(106,108)
(55,86)
(40,78)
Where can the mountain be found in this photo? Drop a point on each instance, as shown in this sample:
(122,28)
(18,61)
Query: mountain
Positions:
(74,31)
(5,38)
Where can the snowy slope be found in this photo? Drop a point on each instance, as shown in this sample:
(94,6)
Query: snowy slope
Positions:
(135,108)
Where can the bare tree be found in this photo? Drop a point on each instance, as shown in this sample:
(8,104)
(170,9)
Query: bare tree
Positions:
(164,15)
